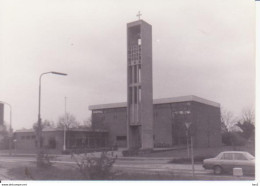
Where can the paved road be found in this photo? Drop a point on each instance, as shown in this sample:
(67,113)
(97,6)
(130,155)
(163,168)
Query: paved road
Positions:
(130,165)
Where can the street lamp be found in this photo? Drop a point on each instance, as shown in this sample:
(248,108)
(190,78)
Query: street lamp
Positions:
(11,129)
(64,127)
(187,124)
(190,133)
(39,128)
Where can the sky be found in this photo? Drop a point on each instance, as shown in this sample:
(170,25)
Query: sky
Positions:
(200,47)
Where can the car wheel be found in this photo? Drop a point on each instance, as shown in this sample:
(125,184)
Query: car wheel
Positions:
(217,170)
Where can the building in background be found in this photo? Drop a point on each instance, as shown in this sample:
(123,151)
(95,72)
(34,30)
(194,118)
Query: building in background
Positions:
(170,116)
(3,130)
(77,140)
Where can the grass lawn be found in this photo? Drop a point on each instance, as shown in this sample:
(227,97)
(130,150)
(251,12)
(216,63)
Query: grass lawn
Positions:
(29,171)
(67,173)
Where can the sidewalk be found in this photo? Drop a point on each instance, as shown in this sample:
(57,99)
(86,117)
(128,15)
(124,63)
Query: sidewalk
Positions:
(67,157)
(6,153)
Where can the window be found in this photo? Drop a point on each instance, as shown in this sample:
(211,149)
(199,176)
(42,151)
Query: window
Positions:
(139,42)
(187,112)
(249,156)
(97,112)
(227,156)
(239,156)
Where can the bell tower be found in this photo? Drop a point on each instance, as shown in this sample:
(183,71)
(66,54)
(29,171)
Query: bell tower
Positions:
(139,85)
(1,114)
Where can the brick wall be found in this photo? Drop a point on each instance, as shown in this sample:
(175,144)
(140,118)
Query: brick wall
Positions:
(112,120)
(169,123)
(162,125)
(207,125)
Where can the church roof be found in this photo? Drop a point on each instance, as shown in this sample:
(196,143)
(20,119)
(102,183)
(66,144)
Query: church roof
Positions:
(49,129)
(159,101)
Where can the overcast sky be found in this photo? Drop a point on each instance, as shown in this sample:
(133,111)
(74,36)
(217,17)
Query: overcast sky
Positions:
(200,47)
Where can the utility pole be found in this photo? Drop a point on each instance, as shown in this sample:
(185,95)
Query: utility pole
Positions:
(188,145)
(190,133)
(192,155)
(39,158)
(10,135)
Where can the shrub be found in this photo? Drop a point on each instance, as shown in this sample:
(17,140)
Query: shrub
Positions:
(226,138)
(95,168)
(233,138)
(44,160)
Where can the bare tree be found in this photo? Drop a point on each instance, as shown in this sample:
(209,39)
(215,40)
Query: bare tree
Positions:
(227,120)
(248,116)
(247,124)
(45,124)
(68,120)
(88,122)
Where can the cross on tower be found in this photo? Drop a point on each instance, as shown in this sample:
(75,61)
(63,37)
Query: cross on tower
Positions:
(139,15)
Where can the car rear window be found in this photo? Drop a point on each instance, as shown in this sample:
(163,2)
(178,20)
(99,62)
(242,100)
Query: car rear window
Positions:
(249,156)
(239,156)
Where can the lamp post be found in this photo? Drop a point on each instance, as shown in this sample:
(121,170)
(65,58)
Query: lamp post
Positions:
(11,129)
(189,133)
(64,128)
(39,127)
(192,154)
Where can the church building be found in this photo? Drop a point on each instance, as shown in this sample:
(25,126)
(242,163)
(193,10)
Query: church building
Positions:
(170,119)
(144,123)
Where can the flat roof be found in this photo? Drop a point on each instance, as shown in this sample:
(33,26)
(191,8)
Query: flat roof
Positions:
(159,101)
(60,129)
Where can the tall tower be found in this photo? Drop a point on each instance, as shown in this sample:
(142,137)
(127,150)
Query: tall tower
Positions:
(1,115)
(139,86)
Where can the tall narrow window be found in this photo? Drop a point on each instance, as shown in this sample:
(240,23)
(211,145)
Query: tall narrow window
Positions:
(135,96)
(139,94)
(139,42)
(135,74)
(139,73)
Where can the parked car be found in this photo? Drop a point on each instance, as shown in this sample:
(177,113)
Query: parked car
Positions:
(226,161)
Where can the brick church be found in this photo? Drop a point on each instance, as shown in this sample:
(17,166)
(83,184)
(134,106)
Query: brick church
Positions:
(144,123)
(169,118)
